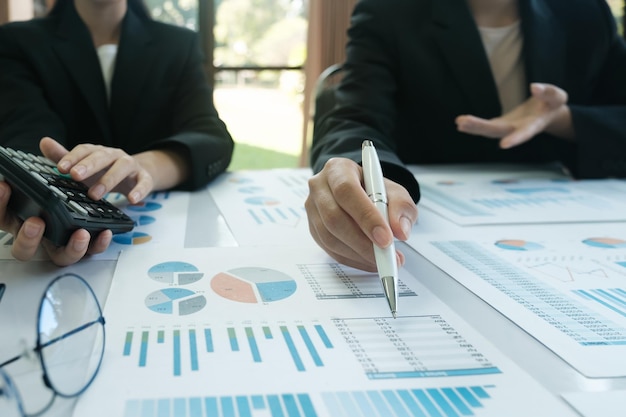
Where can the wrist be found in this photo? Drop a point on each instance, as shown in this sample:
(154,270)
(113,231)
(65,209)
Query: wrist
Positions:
(167,167)
(561,125)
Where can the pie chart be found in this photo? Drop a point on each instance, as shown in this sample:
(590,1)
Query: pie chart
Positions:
(143,220)
(144,206)
(132,238)
(175,272)
(175,301)
(517,244)
(605,242)
(253,285)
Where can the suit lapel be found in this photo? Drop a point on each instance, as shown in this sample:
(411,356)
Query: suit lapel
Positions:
(76,51)
(459,41)
(544,43)
(135,58)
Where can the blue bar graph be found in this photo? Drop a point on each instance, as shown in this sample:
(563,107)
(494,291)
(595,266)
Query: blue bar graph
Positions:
(322,334)
(177,352)
(429,402)
(193,350)
(195,407)
(286,215)
(128,343)
(208,340)
(254,348)
(456,205)
(277,405)
(143,353)
(232,337)
(310,346)
(292,348)
(303,345)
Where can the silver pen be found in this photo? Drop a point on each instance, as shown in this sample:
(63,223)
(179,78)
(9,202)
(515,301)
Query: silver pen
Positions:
(385,258)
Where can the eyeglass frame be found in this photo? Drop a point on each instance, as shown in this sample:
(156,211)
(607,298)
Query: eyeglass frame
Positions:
(39,347)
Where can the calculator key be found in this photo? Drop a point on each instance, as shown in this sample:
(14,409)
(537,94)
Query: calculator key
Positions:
(78,208)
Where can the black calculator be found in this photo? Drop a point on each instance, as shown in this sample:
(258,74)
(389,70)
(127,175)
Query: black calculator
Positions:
(39,189)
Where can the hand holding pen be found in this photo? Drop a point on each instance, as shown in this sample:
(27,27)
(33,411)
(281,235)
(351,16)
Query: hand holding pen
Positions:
(344,222)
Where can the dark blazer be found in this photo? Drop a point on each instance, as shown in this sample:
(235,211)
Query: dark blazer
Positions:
(51,84)
(413,66)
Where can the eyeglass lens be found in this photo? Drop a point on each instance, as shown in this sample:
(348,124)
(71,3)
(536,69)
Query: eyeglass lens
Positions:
(70,335)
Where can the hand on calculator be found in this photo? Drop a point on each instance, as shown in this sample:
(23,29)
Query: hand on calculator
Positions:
(41,205)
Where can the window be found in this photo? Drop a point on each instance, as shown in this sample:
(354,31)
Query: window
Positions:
(617,7)
(258,48)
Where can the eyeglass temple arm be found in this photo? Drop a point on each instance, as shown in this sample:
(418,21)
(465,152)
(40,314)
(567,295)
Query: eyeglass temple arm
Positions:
(50,342)
(70,333)
(13,359)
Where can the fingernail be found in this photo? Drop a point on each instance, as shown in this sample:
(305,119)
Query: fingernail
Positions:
(380,237)
(406,226)
(80,170)
(400,259)
(106,240)
(98,191)
(80,245)
(31,230)
(64,166)
(134,197)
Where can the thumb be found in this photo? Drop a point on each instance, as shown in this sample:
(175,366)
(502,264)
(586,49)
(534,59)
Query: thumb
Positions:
(550,94)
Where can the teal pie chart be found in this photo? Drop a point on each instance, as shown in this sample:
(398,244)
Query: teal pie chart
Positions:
(175,301)
(175,272)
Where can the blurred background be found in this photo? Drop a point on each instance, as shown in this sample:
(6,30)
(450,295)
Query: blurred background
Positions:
(265,56)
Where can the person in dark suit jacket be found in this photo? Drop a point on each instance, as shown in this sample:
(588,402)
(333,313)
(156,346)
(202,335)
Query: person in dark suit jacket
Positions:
(463,81)
(121,102)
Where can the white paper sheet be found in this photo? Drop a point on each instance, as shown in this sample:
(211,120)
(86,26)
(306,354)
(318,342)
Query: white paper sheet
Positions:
(160,219)
(506,198)
(564,284)
(598,404)
(266,332)
(265,207)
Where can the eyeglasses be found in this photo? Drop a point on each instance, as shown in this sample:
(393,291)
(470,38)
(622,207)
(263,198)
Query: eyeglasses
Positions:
(70,346)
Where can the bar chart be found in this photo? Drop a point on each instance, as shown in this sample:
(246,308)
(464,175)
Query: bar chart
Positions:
(300,345)
(425,402)
(406,347)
